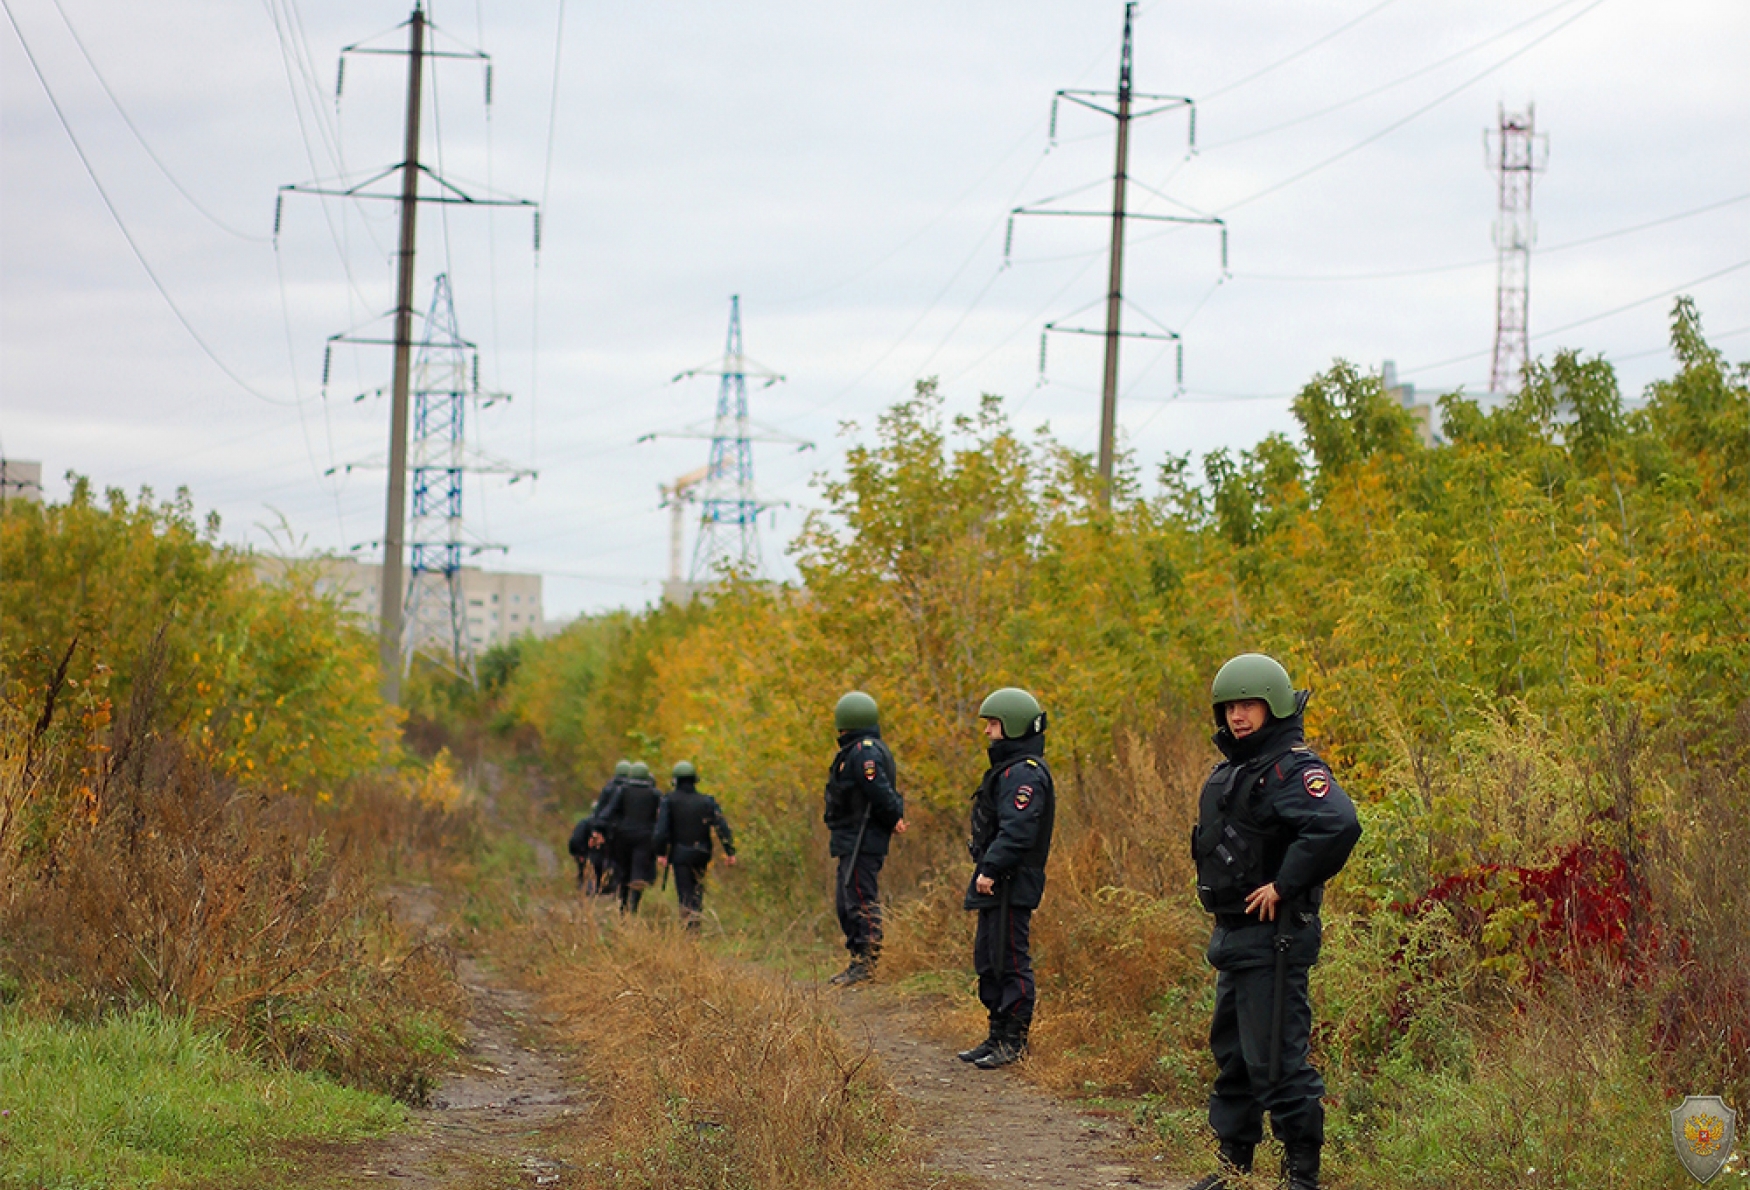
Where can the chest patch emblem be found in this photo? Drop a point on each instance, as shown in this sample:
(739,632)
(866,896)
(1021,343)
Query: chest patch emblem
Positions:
(868,770)
(1317,781)
(1023,797)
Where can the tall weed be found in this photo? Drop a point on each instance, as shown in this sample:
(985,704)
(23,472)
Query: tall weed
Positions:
(721,1074)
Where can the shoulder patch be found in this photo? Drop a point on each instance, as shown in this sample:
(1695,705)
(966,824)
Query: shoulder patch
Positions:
(1317,782)
(1023,797)
(868,770)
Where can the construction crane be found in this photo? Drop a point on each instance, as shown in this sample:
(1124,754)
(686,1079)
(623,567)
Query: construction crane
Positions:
(675,497)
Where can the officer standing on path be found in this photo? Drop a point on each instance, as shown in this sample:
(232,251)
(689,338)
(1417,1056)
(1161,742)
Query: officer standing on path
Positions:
(629,819)
(1272,827)
(1013,813)
(863,812)
(683,839)
(592,856)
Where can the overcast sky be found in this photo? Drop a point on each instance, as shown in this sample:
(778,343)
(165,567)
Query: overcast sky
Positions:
(847,169)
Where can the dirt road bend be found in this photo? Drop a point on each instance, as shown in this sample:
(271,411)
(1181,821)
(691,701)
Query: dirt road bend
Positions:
(990,1128)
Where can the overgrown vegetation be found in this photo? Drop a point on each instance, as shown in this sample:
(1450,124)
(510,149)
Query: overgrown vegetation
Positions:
(200,794)
(1529,650)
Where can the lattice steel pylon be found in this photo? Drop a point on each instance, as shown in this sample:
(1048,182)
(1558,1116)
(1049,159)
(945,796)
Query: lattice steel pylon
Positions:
(729,508)
(1516,153)
(436,611)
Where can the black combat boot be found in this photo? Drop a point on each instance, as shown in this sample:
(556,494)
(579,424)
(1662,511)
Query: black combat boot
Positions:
(861,968)
(987,1045)
(1236,1158)
(1300,1166)
(1011,1045)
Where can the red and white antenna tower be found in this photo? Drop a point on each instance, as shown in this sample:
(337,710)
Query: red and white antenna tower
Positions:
(1515,152)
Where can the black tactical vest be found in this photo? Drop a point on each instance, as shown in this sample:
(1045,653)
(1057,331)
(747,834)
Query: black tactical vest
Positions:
(1227,843)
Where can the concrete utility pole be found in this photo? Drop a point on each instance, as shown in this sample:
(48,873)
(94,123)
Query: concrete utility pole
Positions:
(1121,179)
(395,518)
(1115,276)
(392,604)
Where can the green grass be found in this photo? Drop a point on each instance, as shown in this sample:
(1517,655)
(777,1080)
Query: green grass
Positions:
(148,1101)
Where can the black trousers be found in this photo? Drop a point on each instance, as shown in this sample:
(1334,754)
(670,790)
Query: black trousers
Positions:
(858,900)
(1239,1037)
(634,869)
(1004,962)
(689,885)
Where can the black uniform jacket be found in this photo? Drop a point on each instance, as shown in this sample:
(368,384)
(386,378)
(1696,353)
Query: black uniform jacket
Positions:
(1295,825)
(579,844)
(1013,814)
(862,778)
(631,809)
(684,824)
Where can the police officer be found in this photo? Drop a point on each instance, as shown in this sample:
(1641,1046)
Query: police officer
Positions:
(629,819)
(682,840)
(1012,817)
(1272,827)
(864,811)
(592,856)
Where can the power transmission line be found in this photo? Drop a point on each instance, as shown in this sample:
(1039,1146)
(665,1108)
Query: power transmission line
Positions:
(1423,110)
(121,225)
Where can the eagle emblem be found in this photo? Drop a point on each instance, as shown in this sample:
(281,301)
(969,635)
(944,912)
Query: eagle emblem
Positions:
(1703,1133)
(1702,1128)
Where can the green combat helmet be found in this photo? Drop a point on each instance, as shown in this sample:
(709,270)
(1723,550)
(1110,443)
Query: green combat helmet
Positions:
(684,771)
(639,771)
(1018,711)
(623,769)
(855,712)
(1253,675)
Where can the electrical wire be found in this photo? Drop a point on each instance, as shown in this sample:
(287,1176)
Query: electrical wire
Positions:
(1590,318)
(287,39)
(1481,261)
(140,137)
(1417,73)
(122,226)
(1424,109)
(546,188)
(1301,52)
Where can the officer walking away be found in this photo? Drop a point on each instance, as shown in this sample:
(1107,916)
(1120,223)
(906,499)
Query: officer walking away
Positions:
(592,856)
(682,840)
(864,810)
(1272,827)
(1013,813)
(629,819)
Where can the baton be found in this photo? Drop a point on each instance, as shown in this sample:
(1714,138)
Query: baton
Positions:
(857,847)
(1005,886)
(665,868)
(1282,942)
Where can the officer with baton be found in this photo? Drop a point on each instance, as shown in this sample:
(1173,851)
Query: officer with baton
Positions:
(1013,813)
(864,810)
(1272,827)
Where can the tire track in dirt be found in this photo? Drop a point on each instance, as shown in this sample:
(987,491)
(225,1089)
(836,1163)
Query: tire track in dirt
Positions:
(990,1128)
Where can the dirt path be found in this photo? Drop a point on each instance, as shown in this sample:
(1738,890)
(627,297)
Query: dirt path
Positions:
(500,1120)
(990,1128)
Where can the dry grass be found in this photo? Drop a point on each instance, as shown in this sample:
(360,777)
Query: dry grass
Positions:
(136,875)
(718,1074)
